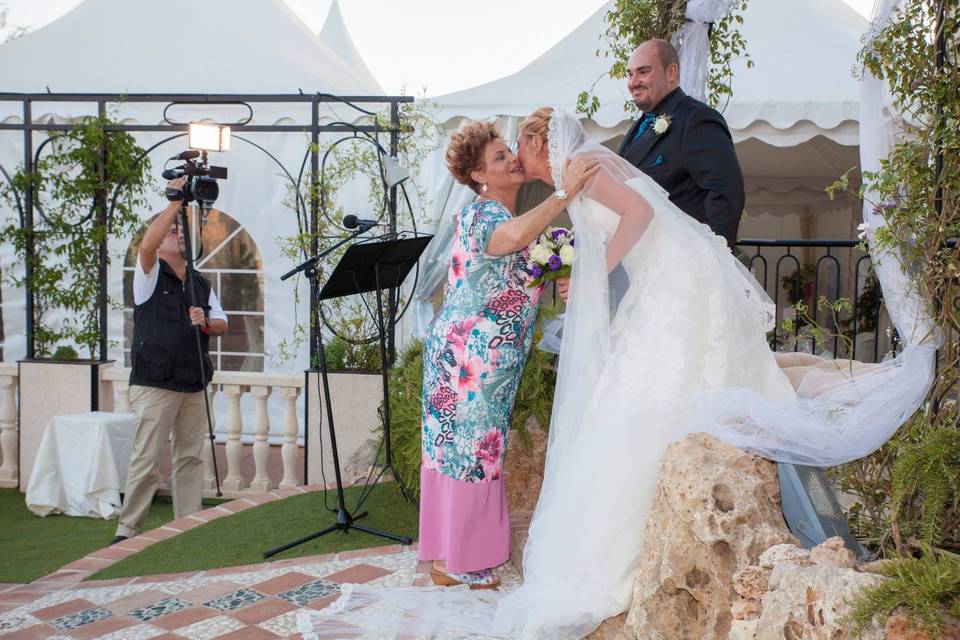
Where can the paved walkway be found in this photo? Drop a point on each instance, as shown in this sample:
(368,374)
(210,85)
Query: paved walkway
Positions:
(240,603)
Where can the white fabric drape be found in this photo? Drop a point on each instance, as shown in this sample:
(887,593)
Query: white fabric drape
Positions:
(877,137)
(693,44)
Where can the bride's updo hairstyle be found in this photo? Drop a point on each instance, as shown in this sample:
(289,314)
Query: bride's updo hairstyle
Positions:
(536,123)
(465,151)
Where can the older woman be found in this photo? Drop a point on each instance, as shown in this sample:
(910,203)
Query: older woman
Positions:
(473,356)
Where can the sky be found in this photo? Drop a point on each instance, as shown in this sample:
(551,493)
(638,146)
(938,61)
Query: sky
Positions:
(440,47)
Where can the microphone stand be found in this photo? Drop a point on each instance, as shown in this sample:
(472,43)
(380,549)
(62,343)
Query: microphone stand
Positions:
(311,263)
(345,520)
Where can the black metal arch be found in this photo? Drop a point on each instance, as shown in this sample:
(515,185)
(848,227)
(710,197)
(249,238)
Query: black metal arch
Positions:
(104,208)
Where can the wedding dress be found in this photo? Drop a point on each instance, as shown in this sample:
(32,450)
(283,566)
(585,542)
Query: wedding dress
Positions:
(679,348)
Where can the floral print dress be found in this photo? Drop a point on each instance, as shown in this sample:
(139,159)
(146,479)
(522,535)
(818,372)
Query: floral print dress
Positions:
(473,356)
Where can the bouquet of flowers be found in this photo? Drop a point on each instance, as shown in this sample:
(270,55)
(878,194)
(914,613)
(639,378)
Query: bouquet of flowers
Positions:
(551,255)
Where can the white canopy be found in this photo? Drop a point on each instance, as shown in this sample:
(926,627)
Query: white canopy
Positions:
(188,47)
(793,117)
(800,87)
(802,83)
(185,46)
(335,35)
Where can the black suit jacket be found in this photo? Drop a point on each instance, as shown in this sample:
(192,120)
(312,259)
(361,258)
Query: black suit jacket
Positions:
(694,161)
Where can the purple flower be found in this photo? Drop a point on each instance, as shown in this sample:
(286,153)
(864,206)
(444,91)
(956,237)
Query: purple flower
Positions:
(554,263)
(536,270)
(558,233)
(884,206)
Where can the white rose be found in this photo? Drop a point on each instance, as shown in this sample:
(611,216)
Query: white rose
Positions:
(567,254)
(540,254)
(661,124)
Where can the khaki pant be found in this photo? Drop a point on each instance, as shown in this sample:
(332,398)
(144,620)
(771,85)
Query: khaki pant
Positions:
(160,412)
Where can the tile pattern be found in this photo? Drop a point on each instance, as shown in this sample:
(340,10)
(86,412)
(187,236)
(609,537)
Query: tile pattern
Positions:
(12,622)
(246,603)
(255,602)
(210,628)
(309,592)
(235,600)
(74,620)
(159,608)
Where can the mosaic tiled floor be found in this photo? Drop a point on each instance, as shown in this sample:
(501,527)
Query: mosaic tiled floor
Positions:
(247,603)
(241,603)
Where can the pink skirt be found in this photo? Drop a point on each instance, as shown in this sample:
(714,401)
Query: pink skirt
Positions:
(466,524)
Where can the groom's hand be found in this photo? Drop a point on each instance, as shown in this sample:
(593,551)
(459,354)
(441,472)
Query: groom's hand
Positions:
(563,288)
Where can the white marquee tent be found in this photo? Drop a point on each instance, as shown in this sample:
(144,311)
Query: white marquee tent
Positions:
(148,50)
(793,116)
(179,46)
(190,47)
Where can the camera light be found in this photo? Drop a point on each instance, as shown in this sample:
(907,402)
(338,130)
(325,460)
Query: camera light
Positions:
(209,137)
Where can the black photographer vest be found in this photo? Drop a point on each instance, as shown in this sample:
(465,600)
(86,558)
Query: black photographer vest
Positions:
(164,352)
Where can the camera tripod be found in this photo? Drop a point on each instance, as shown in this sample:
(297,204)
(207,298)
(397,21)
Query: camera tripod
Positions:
(193,302)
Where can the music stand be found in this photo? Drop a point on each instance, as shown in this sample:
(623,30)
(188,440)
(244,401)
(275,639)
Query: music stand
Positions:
(364,267)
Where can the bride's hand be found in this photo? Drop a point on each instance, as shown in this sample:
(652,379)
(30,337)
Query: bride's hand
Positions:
(576,173)
(563,288)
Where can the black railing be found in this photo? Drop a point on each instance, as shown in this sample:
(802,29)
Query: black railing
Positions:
(806,270)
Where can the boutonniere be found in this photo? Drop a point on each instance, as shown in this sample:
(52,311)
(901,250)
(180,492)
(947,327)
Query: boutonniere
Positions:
(661,124)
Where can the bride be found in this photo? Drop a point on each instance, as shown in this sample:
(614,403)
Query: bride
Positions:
(679,348)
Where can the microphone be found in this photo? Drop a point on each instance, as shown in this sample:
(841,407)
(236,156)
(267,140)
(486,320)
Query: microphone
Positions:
(189,154)
(352,222)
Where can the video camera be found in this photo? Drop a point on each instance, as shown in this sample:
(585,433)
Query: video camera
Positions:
(201,184)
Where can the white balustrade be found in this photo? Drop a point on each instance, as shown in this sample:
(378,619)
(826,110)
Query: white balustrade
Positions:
(233,385)
(233,481)
(261,427)
(288,450)
(9,462)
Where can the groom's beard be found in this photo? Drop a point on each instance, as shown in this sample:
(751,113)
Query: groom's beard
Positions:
(643,105)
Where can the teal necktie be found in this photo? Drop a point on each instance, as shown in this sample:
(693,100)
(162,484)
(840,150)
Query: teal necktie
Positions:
(644,125)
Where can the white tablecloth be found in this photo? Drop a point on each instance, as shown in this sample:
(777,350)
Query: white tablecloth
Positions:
(82,465)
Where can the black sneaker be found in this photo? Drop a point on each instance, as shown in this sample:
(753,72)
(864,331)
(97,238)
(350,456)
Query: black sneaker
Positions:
(117,539)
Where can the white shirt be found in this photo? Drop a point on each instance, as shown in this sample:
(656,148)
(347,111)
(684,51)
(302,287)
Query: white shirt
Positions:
(144,284)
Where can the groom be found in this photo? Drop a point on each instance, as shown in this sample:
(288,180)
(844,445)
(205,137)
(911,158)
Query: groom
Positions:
(681,143)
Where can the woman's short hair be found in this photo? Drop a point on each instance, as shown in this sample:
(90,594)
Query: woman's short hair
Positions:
(465,151)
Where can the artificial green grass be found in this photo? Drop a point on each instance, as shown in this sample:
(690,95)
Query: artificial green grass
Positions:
(241,538)
(31,546)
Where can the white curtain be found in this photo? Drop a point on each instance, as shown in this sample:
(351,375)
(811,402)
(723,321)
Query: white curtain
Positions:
(693,44)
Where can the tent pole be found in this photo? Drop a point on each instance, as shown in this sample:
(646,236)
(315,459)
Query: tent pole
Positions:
(101,206)
(28,223)
(941,56)
(314,221)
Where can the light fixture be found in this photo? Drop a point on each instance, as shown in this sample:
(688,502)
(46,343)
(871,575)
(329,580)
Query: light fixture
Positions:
(393,172)
(209,137)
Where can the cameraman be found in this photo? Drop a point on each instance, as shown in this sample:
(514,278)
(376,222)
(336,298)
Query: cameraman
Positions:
(165,381)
